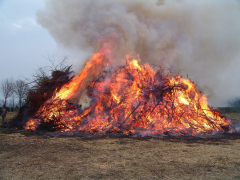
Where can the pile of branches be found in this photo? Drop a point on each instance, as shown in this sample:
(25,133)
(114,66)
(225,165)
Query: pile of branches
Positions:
(46,81)
(156,99)
(156,91)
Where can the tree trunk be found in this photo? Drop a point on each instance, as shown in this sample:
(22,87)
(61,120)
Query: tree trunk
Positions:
(20,102)
(13,101)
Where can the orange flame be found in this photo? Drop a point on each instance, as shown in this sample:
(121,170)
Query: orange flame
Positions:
(134,99)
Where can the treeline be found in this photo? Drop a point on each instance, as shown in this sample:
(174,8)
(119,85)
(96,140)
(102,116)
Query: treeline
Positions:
(14,89)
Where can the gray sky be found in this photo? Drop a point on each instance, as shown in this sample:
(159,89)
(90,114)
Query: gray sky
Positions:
(24,44)
(211,58)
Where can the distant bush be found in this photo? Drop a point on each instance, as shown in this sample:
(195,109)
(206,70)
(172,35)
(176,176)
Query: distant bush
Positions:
(234,102)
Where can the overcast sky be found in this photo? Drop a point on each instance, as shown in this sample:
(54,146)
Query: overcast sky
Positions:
(24,45)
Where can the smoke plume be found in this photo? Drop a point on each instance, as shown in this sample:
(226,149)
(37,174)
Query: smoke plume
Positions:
(196,38)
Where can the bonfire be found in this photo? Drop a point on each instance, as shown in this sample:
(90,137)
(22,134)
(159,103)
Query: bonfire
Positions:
(133,99)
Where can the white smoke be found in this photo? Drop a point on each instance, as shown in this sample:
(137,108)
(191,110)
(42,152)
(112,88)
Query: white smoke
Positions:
(199,38)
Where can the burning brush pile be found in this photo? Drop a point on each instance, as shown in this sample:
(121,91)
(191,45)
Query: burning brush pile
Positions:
(134,100)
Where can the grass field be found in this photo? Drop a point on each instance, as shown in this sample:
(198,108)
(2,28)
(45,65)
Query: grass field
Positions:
(43,157)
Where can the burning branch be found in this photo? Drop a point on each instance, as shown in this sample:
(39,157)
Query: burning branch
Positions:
(134,99)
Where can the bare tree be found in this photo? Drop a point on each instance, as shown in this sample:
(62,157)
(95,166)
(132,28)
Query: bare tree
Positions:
(7,89)
(21,89)
(13,99)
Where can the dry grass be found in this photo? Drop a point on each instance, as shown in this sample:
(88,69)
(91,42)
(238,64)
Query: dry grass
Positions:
(10,115)
(41,157)
(235,117)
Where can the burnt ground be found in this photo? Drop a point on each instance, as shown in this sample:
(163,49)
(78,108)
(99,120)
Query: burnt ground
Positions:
(24,156)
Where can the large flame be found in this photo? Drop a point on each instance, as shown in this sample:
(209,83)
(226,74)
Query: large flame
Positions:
(132,99)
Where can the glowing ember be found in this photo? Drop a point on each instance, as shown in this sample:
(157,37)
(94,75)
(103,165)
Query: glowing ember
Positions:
(135,99)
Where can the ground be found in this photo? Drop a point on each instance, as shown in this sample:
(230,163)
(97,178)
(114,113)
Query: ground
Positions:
(43,157)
